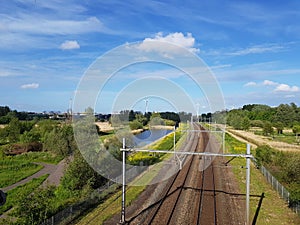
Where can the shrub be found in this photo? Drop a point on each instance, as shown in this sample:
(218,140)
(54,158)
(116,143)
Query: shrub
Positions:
(264,154)
(135,125)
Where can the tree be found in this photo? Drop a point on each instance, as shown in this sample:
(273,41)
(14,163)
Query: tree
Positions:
(264,154)
(4,110)
(257,123)
(3,135)
(14,129)
(79,174)
(245,123)
(135,125)
(44,127)
(156,120)
(37,206)
(131,115)
(141,118)
(279,127)
(261,112)
(268,128)
(285,114)
(292,168)
(30,136)
(60,141)
(296,129)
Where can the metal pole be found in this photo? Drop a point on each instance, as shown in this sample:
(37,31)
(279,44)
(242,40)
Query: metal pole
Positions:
(174,140)
(123,183)
(224,142)
(248,185)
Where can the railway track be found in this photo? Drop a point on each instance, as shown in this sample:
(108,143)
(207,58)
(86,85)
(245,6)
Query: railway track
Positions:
(190,195)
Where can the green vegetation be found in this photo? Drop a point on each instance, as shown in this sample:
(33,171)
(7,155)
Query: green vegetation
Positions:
(274,210)
(111,206)
(16,196)
(135,125)
(12,171)
(285,166)
(256,115)
(143,158)
(45,157)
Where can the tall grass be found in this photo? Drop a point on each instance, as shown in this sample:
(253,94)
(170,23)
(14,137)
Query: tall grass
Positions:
(13,197)
(12,171)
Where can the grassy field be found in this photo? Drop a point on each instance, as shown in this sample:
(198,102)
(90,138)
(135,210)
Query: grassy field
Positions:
(19,167)
(13,170)
(274,210)
(13,197)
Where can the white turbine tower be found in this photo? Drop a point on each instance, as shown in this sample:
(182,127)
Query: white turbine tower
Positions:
(198,107)
(146,105)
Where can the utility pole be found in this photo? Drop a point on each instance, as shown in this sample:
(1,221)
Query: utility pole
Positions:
(248,185)
(123,183)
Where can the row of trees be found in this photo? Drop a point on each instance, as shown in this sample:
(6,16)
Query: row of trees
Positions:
(7,114)
(137,120)
(266,117)
(54,137)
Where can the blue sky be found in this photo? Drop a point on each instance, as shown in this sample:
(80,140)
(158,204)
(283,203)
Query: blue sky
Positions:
(252,47)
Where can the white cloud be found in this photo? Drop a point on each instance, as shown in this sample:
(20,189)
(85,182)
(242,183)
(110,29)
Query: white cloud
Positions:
(269,83)
(153,44)
(258,49)
(29,24)
(4,73)
(289,96)
(30,86)
(279,87)
(286,88)
(249,84)
(68,45)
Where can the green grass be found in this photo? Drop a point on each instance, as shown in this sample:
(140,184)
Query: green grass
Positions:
(13,196)
(12,171)
(104,135)
(287,138)
(45,157)
(274,210)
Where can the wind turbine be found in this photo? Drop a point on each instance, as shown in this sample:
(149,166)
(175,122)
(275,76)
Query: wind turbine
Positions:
(146,105)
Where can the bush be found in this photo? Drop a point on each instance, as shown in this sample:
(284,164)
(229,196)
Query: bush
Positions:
(292,169)
(135,125)
(264,154)
(268,128)
(257,123)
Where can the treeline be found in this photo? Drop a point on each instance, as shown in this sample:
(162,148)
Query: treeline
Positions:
(43,135)
(7,114)
(138,120)
(264,116)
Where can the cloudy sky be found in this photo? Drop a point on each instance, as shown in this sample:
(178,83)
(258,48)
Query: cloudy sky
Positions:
(46,47)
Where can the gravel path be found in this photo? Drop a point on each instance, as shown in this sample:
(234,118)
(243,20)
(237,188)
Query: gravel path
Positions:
(55,173)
